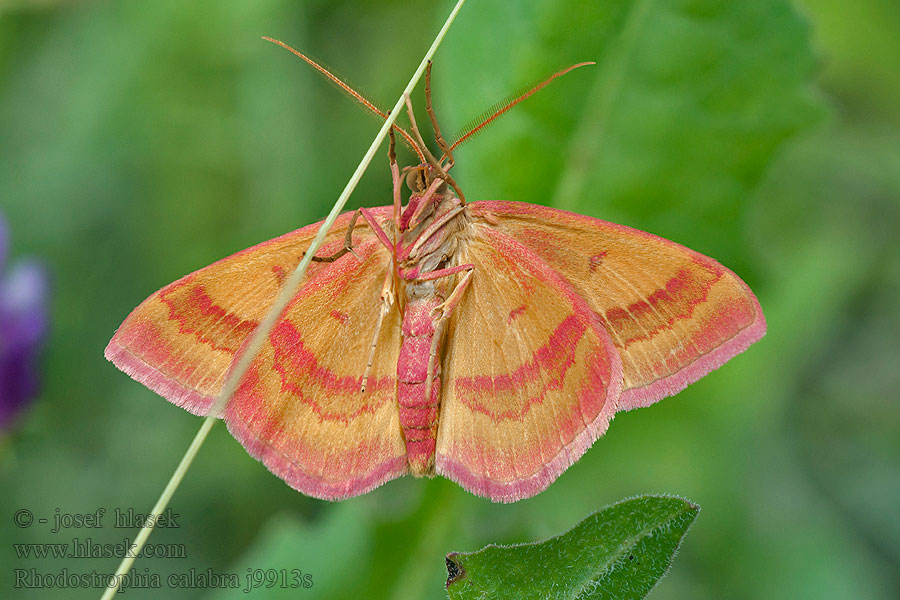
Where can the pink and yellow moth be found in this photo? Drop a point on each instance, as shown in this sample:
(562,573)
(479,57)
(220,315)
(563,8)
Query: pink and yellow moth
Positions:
(488,342)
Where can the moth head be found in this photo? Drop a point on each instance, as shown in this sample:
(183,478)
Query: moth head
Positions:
(417,178)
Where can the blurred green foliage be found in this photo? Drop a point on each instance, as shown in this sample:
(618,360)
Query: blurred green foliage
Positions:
(140,141)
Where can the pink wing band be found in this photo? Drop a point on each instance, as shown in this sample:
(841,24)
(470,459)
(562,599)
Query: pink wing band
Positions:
(706,363)
(525,488)
(285,451)
(711,360)
(168,388)
(590,432)
(294,476)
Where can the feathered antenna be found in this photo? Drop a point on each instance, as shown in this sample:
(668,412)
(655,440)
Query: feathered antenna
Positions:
(498,109)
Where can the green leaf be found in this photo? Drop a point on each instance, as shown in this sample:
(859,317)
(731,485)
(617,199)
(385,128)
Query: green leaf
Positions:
(618,553)
(686,107)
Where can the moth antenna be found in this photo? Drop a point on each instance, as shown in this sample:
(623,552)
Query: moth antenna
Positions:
(340,83)
(491,115)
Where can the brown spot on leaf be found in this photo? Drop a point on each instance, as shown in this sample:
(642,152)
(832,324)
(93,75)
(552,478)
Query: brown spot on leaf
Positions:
(455,570)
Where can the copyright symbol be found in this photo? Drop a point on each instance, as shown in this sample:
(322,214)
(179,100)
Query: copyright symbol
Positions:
(23,518)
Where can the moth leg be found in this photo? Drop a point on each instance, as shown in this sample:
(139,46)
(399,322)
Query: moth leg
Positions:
(441,142)
(376,228)
(387,301)
(444,273)
(452,301)
(348,245)
(432,161)
(427,199)
(445,308)
(395,179)
(348,239)
(433,228)
(432,357)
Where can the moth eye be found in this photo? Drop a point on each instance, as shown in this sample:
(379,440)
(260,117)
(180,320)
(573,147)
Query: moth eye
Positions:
(415,180)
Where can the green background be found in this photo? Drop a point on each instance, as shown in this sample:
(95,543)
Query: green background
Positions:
(142,140)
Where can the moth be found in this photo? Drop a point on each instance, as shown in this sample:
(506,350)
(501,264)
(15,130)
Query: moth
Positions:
(489,342)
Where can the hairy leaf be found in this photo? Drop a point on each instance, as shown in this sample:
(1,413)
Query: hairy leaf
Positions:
(617,553)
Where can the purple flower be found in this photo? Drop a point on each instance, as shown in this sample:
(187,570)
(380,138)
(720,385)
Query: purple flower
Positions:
(23,322)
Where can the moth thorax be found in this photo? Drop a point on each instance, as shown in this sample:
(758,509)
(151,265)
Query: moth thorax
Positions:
(421,290)
(432,262)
